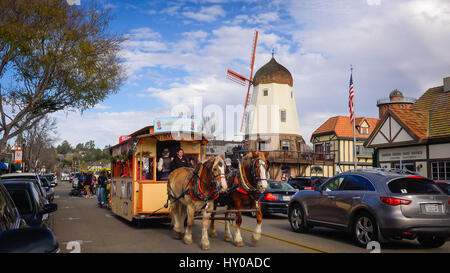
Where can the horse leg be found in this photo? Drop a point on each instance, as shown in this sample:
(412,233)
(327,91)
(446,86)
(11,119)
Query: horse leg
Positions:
(237,237)
(257,233)
(205,225)
(175,212)
(190,222)
(228,236)
(213,232)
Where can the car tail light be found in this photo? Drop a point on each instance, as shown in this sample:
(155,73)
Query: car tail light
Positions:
(308,188)
(416,176)
(395,201)
(270,197)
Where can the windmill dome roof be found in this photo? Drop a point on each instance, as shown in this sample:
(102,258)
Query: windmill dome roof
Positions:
(396,94)
(273,72)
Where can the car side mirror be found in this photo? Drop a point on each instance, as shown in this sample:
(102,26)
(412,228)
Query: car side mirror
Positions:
(49,208)
(28,240)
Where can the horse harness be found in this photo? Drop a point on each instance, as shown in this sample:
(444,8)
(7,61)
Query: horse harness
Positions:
(241,183)
(195,190)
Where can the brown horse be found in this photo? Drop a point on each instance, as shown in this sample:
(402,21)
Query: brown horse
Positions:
(192,190)
(245,185)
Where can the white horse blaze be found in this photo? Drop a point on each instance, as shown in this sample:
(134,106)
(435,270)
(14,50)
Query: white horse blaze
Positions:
(263,179)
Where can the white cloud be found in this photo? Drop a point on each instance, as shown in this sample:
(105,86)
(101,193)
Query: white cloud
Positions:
(206,14)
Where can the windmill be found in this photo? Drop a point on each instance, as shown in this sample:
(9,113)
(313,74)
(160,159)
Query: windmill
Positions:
(236,77)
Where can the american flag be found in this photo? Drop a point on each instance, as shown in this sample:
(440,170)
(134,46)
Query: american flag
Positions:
(350,100)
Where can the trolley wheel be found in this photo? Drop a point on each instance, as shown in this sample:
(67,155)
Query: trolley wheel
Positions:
(138,223)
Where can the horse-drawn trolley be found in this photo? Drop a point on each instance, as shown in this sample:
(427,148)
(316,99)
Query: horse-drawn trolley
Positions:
(138,187)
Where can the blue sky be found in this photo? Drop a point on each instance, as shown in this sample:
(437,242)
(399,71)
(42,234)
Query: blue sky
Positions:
(177,50)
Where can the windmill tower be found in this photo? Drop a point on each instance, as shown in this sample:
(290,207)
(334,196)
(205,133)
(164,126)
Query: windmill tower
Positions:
(273,120)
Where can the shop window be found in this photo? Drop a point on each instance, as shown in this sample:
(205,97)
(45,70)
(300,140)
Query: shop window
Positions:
(441,170)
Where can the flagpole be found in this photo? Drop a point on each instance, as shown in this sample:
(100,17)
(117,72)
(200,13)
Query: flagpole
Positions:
(354,121)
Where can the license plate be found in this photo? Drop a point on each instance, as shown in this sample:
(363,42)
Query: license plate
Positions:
(432,208)
(286,198)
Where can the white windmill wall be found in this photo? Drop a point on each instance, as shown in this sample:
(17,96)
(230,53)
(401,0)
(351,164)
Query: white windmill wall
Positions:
(265,111)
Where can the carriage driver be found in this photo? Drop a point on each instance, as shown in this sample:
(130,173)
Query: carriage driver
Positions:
(180,160)
(164,165)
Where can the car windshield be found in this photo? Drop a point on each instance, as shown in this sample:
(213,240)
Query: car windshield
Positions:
(279,186)
(413,186)
(22,199)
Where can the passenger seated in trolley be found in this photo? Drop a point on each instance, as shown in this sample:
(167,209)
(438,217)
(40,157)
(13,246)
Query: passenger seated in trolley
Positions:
(164,165)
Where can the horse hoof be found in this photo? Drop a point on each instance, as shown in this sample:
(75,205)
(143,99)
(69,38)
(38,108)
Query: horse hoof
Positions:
(205,247)
(187,241)
(255,240)
(213,234)
(239,244)
(178,235)
(228,239)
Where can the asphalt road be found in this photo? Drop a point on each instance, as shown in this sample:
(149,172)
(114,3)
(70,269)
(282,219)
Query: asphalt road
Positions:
(97,230)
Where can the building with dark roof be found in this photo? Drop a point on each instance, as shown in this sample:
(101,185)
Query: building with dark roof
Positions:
(416,137)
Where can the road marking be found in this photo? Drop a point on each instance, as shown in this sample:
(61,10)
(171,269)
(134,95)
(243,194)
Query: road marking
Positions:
(79,241)
(109,215)
(56,196)
(70,219)
(317,250)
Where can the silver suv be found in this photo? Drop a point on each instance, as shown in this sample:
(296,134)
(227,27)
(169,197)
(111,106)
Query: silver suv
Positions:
(376,205)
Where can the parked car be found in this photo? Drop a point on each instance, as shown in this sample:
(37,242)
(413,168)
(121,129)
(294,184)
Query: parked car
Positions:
(52,179)
(306,182)
(31,176)
(32,207)
(376,205)
(48,188)
(276,197)
(16,236)
(444,186)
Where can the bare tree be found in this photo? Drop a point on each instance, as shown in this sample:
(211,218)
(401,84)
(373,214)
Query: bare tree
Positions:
(38,144)
(55,57)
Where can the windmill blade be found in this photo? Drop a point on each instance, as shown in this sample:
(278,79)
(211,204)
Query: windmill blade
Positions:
(252,53)
(252,64)
(237,78)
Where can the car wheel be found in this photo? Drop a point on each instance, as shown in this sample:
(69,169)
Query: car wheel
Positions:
(297,219)
(432,241)
(365,229)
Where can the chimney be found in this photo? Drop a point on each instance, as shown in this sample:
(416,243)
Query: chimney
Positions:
(447,84)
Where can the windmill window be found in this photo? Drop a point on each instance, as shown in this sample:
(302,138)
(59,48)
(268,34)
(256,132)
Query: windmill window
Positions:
(283,115)
(266,92)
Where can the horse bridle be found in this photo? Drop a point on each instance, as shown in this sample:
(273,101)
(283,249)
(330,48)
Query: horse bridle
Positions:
(252,170)
(217,186)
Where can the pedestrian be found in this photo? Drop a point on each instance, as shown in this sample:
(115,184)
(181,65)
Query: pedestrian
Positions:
(87,186)
(180,160)
(101,182)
